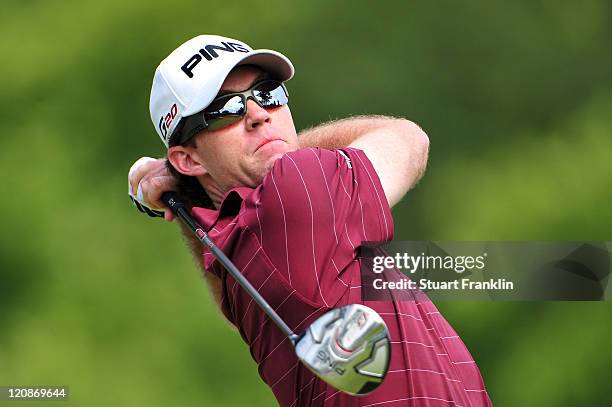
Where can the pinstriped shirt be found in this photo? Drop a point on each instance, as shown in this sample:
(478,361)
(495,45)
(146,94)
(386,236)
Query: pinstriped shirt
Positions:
(296,238)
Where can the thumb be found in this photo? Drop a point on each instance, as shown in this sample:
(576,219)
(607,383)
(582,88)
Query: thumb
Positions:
(168,215)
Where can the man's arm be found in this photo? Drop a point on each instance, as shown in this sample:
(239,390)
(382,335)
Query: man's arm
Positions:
(397,148)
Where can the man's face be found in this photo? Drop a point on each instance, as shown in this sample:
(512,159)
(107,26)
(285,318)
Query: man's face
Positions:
(243,153)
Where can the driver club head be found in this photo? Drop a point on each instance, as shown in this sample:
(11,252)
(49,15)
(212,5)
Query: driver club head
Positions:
(347,347)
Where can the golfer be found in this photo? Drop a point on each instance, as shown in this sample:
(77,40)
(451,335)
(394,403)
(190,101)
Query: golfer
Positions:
(291,212)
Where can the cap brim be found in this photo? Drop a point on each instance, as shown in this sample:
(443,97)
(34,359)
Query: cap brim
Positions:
(269,60)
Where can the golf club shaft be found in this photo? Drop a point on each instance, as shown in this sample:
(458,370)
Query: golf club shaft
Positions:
(178,208)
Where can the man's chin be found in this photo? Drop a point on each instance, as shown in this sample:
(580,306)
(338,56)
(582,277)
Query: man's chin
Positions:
(267,160)
(270,162)
(270,155)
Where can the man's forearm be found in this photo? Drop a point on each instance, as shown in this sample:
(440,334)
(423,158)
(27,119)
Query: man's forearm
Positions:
(397,148)
(342,132)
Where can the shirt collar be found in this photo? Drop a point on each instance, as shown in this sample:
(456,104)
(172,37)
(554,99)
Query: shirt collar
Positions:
(230,206)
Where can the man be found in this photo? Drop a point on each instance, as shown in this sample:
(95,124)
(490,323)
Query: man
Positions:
(291,213)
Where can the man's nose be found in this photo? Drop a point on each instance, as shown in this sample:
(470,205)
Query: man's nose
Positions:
(256,115)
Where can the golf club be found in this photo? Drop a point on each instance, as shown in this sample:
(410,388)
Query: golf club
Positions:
(347,347)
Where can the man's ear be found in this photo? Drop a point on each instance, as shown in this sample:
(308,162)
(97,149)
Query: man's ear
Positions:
(186,161)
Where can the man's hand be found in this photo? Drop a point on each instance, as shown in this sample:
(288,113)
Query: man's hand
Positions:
(148,179)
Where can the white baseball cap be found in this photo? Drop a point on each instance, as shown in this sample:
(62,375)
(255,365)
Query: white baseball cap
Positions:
(188,79)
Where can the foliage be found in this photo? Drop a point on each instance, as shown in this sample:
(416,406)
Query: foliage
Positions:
(515,96)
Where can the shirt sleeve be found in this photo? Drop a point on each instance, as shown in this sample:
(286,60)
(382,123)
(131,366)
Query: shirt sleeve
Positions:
(312,213)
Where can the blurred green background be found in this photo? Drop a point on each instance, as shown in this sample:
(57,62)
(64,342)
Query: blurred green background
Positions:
(515,96)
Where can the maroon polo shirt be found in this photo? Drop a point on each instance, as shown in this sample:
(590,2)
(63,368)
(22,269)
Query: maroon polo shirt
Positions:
(296,238)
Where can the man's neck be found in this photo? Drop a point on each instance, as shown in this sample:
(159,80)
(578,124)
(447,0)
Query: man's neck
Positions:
(214,190)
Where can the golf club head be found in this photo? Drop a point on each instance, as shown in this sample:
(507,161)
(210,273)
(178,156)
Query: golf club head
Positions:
(347,347)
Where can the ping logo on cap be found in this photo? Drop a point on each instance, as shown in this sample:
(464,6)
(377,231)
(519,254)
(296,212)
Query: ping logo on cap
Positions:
(166,120)
(209,53)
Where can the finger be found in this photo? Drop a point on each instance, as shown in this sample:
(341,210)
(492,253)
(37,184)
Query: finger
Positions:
(152,189)
(168,215)
(140,168)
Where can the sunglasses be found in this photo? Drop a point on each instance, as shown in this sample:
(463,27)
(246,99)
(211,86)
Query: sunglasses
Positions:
(231,108)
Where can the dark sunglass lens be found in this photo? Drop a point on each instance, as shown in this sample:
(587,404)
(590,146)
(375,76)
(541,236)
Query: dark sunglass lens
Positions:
(224,111)
(221,122)
(270,94)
